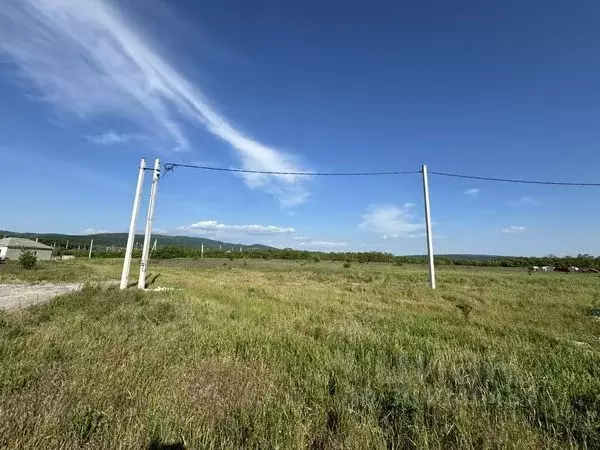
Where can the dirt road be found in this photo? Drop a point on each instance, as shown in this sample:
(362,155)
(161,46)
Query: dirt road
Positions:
(22,295)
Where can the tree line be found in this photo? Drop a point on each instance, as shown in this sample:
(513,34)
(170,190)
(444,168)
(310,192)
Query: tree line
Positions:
(581,260)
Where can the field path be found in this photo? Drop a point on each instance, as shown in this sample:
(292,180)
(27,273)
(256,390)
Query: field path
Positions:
(23,295)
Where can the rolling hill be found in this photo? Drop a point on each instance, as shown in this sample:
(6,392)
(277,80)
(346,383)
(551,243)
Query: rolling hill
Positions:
(119,240)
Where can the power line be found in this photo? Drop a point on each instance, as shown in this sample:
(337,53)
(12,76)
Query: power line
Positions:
(171,166)
(508,180)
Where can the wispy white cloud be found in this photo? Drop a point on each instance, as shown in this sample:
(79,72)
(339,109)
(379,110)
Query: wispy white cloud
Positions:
(513,229)
(113,138)
(472,192)
(212,227)
(95,231)
(392,221)
(305,241)
(527,200)
(86,57)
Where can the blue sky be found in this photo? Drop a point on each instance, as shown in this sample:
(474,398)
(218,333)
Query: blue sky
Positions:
(505,89)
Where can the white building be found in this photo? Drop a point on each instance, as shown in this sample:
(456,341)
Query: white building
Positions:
(12,247)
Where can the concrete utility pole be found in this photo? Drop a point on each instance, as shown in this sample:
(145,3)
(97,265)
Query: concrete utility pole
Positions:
(67,246)
(202,251)
(149,218)
(240,249)
(134,214)
(154,245)
(91,246)
(428,226)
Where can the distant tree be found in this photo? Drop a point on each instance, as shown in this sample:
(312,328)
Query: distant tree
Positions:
(27,260)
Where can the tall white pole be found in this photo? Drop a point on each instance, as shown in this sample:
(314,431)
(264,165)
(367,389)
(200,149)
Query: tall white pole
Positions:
(148,234)
(91,245)
(154,245)
(202,251)
(134,214)
(428,225)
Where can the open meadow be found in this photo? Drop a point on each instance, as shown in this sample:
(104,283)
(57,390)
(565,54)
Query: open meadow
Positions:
(288,354)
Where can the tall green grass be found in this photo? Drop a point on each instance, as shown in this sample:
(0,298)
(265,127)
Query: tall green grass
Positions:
(269,354)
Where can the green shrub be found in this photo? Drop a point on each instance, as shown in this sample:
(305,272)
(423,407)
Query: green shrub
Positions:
(346,265)
(27,260)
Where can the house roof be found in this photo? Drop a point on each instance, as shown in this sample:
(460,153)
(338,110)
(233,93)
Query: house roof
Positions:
(15,242)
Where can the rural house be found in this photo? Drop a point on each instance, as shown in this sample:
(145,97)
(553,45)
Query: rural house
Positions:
(12,247)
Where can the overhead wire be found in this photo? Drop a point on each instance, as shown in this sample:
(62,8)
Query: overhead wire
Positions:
(169,167)
(509,180)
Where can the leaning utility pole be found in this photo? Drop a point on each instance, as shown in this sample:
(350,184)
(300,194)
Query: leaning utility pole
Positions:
(91,245)
(149,218)
(428,227)
(134,214)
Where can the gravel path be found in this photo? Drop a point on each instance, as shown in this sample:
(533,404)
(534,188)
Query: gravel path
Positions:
(22,295)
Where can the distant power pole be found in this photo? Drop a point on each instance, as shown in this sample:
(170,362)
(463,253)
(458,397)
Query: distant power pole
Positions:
(37,239)
(155,244)
(240,249)
(202,251)
(220,247)
(91,245)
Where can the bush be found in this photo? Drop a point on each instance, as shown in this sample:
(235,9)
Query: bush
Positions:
(346,265)
(27,260)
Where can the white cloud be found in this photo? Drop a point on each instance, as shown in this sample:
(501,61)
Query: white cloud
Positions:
(392,221)
(87,58)
(95,231)
(212,226)
(305,241)
(513,229)
(324,244)
(112,138)
(524,201)
(472,192)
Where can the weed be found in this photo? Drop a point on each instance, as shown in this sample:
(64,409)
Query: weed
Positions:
(27,260)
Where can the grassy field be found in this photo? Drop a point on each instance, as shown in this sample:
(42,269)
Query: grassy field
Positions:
(285,354)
